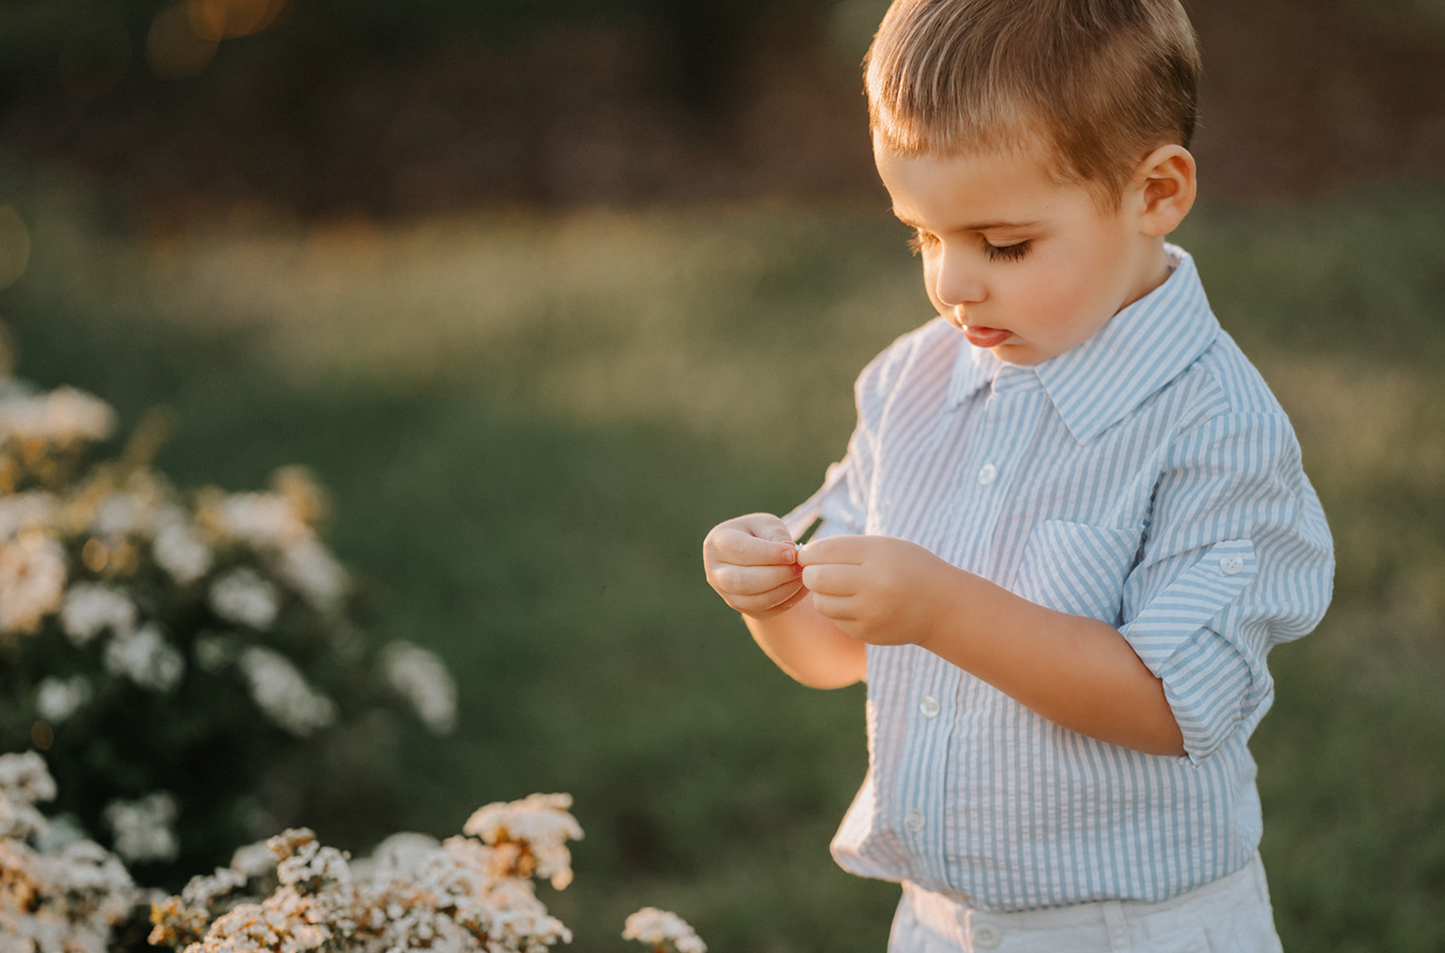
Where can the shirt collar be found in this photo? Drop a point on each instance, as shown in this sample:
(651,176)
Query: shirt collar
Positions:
(1143,347)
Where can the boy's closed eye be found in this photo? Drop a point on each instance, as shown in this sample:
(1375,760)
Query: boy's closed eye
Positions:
(1010,252)
(922,241)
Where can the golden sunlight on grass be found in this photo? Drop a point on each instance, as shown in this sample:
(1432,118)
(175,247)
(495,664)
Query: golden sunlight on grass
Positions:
(1388,425)
(1374,447)
(648,316)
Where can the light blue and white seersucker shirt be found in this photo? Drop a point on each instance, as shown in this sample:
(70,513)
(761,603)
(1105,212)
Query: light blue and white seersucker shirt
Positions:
(1147,478)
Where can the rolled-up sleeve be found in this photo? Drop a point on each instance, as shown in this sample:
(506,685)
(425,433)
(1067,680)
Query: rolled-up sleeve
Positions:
(1237,558)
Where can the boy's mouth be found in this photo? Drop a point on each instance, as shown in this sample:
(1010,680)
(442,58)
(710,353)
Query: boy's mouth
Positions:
(984,337)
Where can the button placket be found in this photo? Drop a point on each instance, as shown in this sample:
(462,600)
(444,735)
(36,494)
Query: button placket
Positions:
(1011,412)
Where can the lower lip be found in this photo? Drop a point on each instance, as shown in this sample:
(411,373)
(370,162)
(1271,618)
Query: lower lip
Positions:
(985,337)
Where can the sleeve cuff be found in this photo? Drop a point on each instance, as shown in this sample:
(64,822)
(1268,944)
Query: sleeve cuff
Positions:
(829,504)
(1206,678)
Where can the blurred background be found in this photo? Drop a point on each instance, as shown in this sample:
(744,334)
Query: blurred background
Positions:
(541,292)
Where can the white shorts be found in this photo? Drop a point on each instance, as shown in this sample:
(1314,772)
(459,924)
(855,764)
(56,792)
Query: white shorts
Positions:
(1230,915)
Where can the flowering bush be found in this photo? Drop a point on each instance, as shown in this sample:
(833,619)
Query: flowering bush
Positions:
(181,656)
(55,895)
(473,892)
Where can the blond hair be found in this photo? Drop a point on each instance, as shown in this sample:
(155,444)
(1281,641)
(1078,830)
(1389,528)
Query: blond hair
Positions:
(1099,83)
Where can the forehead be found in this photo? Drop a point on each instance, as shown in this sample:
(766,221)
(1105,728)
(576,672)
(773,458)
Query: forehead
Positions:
(1008,126)
(930,190)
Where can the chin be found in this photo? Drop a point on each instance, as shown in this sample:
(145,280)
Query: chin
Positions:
(1020,354)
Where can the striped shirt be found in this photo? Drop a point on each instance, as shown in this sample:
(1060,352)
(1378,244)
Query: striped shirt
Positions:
(1147,478)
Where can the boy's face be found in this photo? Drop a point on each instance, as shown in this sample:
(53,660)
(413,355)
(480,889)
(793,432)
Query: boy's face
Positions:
(1024,266)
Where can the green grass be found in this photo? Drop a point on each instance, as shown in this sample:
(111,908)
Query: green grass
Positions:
(529,423)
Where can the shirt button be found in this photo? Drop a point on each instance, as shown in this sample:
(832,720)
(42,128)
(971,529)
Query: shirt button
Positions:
(914,821)
(929,706)
(986,936)
(988,474)
(1231,565)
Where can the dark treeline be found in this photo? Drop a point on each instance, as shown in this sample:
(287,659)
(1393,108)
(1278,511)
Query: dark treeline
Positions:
(400,108)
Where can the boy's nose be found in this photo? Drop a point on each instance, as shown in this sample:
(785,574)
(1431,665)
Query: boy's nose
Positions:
(955,283)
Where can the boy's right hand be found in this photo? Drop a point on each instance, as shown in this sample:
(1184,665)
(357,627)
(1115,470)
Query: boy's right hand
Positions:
(752,562)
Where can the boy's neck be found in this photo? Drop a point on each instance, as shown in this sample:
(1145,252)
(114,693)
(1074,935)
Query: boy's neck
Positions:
(1155,269)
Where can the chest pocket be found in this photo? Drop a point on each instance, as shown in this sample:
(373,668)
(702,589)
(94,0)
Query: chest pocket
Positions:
(1076,568)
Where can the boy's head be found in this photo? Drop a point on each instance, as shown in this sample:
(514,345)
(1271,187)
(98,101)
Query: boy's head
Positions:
(1095,84)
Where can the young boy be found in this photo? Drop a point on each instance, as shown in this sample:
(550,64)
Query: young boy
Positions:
(1071,521)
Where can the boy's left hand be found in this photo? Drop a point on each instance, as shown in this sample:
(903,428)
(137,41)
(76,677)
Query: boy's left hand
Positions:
(878,589)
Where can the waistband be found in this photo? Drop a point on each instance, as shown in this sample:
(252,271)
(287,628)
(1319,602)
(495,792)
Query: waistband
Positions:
(1103,925)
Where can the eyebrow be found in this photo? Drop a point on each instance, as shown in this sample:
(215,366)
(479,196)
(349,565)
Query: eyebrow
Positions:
(975,227)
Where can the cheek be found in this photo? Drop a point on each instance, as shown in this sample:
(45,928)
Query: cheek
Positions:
(1065,293)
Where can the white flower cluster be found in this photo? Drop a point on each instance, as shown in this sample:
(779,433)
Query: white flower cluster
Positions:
(62,901)
(146,658)
(245,596)
(31,510)
(34,427)
(32,580)
(56,699)
(91,608)
(421,677)
(24,780)
(283,694)
(144,829)
(141,654)
(177,545)
(530,836)
(663,931)
(459,895)
(33,576)
(63,417)
(281,526)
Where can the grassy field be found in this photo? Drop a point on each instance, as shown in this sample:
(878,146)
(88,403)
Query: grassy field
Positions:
(529,423)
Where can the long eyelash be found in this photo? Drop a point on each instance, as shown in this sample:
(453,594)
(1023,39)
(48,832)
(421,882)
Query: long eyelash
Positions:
(920,241)
(1007,252)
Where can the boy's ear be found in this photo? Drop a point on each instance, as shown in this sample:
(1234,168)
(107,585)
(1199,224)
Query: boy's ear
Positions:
(1164,189)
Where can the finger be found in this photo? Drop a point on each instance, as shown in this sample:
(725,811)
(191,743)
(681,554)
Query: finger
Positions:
(771,602)
(837,608)
(793,600)
(767,526)
(834,579)
(751,580)
(833,549)
(741,547)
